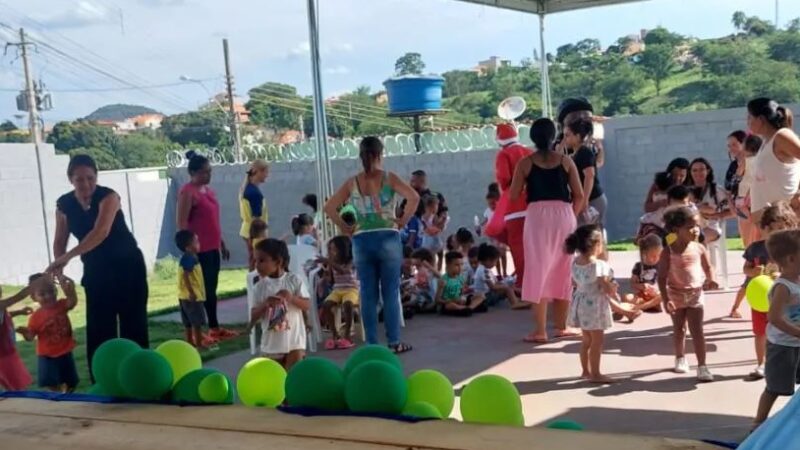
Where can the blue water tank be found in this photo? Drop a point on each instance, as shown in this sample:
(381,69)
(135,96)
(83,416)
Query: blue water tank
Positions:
(411,93)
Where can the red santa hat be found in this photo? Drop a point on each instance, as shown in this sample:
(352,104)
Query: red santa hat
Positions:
(506,134)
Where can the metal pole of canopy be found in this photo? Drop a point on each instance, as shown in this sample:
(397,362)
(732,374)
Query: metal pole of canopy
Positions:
(546,101)
(324,180)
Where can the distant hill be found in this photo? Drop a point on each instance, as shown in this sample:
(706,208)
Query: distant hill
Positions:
(119,112)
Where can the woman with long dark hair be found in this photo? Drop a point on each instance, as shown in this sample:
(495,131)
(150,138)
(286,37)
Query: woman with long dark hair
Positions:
(377,250)
(555,197)
(198,212)
(114,272)
(711,200)
(777,165)
(676,173)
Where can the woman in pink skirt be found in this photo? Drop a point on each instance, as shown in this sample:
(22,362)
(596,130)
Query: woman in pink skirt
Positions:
(555,195)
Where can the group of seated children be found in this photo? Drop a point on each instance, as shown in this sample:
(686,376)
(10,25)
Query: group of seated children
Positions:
(50,326)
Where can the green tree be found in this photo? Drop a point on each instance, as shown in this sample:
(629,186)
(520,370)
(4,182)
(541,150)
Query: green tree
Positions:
(276,106)
(142,149)
(785,46)
(661,35)
(105,159)
(658,63)
(409,64)
(81,134)
(794,25)
(726,57)
(14,138)
(7,126)
(581,49)
(200,127)
(619,89)
(460,82)
(738,20)
(755,26)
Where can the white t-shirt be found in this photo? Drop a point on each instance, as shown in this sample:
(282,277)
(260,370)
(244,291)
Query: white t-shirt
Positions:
(282,342)
(306,239)
(481,279)
(792,315)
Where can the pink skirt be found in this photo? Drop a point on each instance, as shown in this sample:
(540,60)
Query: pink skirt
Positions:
(547,267)
(13,374)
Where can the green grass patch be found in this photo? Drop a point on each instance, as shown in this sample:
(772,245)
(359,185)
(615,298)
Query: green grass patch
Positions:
(626,245)
(162,300)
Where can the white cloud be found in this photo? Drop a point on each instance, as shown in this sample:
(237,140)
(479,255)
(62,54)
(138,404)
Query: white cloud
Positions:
(304,48)
(301,49)
(85,14)
(344,47)
(159,3)
(337,70)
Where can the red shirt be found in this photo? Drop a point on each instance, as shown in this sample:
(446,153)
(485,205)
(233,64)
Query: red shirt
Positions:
(53,330)
(204,217)
(505,163)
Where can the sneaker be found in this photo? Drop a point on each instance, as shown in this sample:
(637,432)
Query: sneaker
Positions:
(757,373)
(703,374)
(681,365)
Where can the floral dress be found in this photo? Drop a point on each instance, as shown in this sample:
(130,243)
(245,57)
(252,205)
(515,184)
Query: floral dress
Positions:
(589,309)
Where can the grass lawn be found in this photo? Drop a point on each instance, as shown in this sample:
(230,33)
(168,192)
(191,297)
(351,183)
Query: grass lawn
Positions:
(626,245)
(162,300)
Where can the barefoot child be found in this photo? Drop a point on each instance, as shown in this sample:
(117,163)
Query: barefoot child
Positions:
(280,299)
(344,294)
(452,294)
(191,288)
(52,329)
(485,284)
(682,272)
(433,225)
(422,291)
(644,276)
(783,330)
(594,298)
(13,374)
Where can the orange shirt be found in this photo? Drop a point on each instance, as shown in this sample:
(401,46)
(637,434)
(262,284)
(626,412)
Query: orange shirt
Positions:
(53,330)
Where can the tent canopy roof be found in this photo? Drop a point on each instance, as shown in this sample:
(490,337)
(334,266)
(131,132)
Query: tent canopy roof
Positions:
(546,6)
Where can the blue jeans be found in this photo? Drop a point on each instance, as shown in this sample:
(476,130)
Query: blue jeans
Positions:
(378,257)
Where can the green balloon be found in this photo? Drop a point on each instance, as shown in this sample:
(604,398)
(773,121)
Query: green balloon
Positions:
(371,353)
(491,399)
(182,357)
(422,410)
(376,387)
(565,425)
(261,382)
(145,375)
(432,387)
(756,292)
(214,388)
(98,390)
(186,390)
(106,363)
(316,383)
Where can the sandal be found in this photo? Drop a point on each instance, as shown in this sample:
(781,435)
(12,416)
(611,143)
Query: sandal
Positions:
(567,333)
(330,344)
(344,343)
(400,348)
(535,338)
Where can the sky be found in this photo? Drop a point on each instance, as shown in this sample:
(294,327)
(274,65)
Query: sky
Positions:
(155,42)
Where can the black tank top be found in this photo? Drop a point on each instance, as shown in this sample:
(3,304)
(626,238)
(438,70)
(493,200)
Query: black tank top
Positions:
(548,184)
(118,245)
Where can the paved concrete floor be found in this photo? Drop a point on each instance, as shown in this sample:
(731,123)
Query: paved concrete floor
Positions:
(649,399)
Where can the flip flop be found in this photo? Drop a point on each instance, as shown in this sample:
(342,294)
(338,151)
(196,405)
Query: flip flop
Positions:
(535,339)
(400,348)
(567,334)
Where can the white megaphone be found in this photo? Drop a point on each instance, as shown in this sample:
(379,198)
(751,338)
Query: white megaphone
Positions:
(511,108)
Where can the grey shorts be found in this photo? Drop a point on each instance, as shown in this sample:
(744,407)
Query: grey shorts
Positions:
(781,370)
(193,314)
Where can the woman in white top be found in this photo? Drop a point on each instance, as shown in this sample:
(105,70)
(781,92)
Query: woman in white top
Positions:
(777,165)
(711,200)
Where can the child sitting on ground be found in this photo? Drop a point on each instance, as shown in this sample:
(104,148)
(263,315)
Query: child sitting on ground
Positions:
(465,242)
(484,283)
(303,229)
(52,329)
(683,272)
(191,288)
(344,295)
(783,329)
(13,374)
(777,217)
(277,293)
(594,299)
(433,225)
(421,293)
(452,294)
(258,232)
(644,276)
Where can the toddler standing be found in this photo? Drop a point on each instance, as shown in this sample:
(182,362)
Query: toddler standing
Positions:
(683,271)
(594,297)
(191,289)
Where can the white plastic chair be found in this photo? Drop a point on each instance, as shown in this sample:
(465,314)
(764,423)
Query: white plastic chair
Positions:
(250,283)
(299,255)
(719,256)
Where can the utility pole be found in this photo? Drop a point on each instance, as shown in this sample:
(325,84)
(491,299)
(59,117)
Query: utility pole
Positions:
(301,126)
(237,139)
(33,125)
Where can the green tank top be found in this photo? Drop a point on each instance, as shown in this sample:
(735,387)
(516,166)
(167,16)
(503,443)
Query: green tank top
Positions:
(374,212)
(452,287)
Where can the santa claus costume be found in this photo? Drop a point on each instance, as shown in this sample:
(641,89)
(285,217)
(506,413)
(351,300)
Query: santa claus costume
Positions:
(508,221)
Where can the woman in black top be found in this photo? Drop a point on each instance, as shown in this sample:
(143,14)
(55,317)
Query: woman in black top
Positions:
(555,196)
(576,136)
(114,273)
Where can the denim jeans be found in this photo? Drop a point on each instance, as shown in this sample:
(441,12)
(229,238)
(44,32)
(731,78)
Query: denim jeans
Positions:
(378,257)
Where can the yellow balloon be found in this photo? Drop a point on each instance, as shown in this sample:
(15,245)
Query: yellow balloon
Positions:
(261,382)
(182,357)
(757,292)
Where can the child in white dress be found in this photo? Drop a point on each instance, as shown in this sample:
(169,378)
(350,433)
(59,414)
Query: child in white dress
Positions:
(594,297)
(280,298)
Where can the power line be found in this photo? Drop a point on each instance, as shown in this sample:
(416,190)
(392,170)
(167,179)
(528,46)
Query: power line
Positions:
(114,89)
